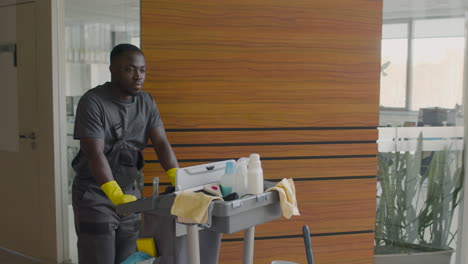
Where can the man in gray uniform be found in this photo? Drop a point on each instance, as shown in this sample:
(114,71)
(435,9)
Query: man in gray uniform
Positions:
(113,123)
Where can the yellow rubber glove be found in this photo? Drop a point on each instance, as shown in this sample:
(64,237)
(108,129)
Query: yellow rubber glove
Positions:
(115,194)
(172,175)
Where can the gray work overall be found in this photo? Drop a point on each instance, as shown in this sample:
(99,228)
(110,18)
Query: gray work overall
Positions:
(103,236)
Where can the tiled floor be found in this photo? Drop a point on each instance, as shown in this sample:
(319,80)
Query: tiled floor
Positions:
(7,257)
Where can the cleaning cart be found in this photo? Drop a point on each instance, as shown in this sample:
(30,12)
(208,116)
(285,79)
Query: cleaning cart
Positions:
(225,217)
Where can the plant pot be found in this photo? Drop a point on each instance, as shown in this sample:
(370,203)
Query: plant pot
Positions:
(414,256)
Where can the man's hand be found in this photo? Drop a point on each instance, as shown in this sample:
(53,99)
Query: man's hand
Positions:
(115,194)
(172,175)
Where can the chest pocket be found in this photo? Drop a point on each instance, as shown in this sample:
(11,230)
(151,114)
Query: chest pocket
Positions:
(125,162)
(125,158)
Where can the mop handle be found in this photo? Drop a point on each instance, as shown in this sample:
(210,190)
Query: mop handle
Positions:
(155,186)
(308,247)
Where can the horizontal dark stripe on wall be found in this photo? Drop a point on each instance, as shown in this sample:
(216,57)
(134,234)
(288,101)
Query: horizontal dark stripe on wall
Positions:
(270,144)
(275,158)
(329,178)
(301,236)
(302,179)
(264,129)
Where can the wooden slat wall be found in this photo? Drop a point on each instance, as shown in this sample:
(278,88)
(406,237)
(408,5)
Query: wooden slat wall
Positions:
(295,81)
(335,249)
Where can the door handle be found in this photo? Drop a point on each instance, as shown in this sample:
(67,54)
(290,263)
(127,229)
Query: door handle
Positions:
(10,48)
(31,136)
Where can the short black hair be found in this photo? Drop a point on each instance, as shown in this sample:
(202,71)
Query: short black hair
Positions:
(121,49)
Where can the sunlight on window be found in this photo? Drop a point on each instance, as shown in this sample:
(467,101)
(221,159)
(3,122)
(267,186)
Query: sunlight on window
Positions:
(393,65)
(393,73)
(438,78)
(436,64)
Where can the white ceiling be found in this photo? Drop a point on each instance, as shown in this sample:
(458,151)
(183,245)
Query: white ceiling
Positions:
(115,12)
(394,9)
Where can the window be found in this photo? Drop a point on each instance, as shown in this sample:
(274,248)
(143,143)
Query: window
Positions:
(422,63)
(394,65)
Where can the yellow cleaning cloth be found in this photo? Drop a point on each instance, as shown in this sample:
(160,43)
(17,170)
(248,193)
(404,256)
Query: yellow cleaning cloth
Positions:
(192,207)
(287,194)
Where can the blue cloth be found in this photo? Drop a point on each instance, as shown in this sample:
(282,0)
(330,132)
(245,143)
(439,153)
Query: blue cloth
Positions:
(137,256)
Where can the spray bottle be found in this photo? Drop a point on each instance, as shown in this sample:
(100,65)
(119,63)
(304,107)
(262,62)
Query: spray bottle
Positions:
(255,186)
(228,179)
(254,175)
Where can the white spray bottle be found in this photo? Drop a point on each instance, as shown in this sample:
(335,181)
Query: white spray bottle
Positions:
(254,175)
(254,186)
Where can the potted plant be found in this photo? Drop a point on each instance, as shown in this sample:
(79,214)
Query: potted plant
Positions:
(419,193)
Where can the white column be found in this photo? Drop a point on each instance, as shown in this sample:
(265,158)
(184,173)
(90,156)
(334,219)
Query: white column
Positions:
(462,245)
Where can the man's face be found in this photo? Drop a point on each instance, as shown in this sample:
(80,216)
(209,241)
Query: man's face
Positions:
(128,72)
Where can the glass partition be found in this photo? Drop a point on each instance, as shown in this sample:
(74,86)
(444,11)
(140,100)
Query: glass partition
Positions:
(421,133)
(92,28)
(420,181)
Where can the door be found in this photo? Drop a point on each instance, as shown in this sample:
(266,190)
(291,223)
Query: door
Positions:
(18,134)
